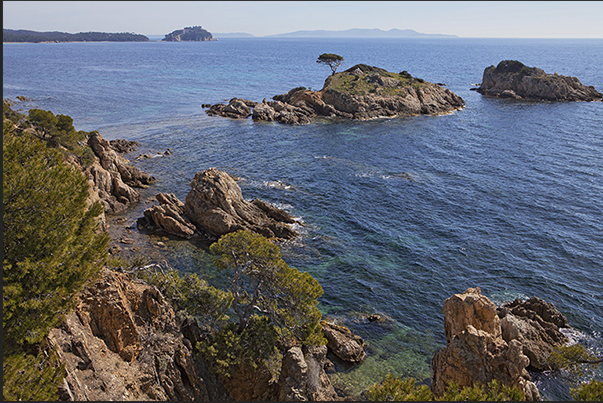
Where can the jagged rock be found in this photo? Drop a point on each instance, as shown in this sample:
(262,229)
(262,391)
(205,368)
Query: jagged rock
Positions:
(343,343)
(123,342)
(535,323)
(123,146)
(476,350)
(216,205)
(113,178)
(470,308)
(236,108)
(263,111)
(361,92)
(513,79)
(169,216)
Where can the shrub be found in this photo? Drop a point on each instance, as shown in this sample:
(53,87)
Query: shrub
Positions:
(590,391)
(397,389)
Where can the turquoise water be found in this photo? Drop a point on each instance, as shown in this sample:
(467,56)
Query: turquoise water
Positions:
(399,214)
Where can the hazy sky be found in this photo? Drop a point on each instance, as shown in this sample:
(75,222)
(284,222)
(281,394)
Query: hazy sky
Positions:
(481,19)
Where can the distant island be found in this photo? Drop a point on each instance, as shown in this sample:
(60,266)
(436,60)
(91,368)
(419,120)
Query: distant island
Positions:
(196,33)
(22,35)
(360,33)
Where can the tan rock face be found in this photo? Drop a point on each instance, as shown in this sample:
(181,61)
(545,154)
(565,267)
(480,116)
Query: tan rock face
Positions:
(169,216)
(535,323)
(470,308)
(113,178)
(303,376)
(476,350)
(123,343)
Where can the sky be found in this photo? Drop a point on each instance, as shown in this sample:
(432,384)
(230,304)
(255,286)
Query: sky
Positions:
(469,19)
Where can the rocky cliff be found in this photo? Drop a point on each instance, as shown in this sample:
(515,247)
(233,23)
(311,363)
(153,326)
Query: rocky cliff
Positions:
(123,342)
(361,92)
(513,79)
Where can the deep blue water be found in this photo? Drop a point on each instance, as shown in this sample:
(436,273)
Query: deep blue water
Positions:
(399,213)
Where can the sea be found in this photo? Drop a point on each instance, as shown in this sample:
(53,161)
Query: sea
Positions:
(396,214)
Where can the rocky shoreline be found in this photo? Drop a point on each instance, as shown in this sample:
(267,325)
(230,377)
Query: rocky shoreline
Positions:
(124,341)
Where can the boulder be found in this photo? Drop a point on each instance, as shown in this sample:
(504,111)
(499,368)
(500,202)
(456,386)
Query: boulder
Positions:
(216,205)
(476,351)
(123,342)
(263,112)
(343,343)
(513,79)
(236,108)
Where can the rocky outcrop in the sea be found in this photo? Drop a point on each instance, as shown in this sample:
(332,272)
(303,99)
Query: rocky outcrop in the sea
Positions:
(513,79)
(214,207)
(123,146)
(361,92)
(536,324)
(476,351)
(123,342)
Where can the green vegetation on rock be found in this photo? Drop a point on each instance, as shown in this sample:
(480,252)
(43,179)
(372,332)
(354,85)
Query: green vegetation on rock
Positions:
(363,79)
(590,391)
(398,389)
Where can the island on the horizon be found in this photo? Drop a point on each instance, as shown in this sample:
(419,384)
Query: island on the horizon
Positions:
(360,33)
(23,35)
(348,33)
(190,34)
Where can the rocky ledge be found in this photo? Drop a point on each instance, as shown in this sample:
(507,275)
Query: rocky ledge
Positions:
(214,207)
(513,79)
(361,92)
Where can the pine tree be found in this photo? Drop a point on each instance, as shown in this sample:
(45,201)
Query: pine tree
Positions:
(51,246)
(262,283)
